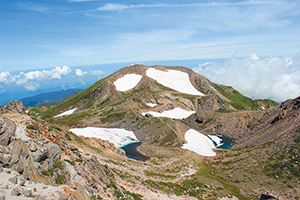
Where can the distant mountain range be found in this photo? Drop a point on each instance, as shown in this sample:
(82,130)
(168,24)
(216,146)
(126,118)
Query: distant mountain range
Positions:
(49,98)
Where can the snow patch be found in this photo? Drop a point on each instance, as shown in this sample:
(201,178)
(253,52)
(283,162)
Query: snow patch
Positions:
(176,113)
(127,82)
(151,104)
(216,139)
(119,137)
(68,112)
(174,79)
(198,143)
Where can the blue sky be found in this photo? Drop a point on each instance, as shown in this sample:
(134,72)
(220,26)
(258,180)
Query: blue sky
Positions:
(41,35)
(44,34)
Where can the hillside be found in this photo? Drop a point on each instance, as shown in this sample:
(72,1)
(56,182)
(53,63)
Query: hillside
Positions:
(179,125)
(103,105)
(49,98)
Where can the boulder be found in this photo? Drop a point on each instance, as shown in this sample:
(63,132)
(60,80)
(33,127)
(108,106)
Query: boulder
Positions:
(3,160)
(16,191)
(7,130)
(4,149)
(32,146)
(19,147)
(271,195)
(13,180)
(15,105)
(27,192)
(54,153)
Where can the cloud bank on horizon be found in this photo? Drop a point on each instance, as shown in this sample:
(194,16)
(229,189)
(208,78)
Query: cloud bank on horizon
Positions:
(276,78)
(31,80)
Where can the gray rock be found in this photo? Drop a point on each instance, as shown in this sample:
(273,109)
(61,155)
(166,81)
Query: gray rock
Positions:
(16,191)
(4,149)
(6,187)
(14,159)
(19,147)
(7,131)
(32,146)
(270,195)
(40,155)
(54,153)
(22,181)
(27,192)
(13,180)
(3,160)
(15,105)
(2,197)
(19,167)
(1,168)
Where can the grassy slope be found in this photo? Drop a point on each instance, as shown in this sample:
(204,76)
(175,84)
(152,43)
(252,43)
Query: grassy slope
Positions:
(240,101)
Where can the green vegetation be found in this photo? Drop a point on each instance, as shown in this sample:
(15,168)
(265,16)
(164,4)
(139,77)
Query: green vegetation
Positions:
(206,172)
(37,110)
(148,173)
(87,95)
(190,187)
(241,102)
(69,161)
(60,179)
(56,165)
(32,127)
(112,184)
(134,195)
(45,173)
(68,136)
(51,128)
(284,164)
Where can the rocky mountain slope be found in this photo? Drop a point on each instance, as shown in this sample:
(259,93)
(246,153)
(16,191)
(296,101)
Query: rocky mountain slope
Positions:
(44,151)
(103,105)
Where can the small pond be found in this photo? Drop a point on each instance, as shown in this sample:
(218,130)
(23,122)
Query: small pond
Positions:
(227,143)
(132,152)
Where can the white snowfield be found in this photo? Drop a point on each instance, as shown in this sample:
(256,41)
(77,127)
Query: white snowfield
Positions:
(198,143)
(127,82)
(68,112)
(119,137)
(151,104)
(176,113)
(216,139)
(174,79)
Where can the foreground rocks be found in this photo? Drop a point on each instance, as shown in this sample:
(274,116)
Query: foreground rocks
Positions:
(15,105)
(7,130)
(271,195)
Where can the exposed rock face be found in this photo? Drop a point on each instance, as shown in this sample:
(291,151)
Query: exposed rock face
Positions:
(15,105)
(283,119)
(210,102)
(7,130)
(271,195)
(26,156)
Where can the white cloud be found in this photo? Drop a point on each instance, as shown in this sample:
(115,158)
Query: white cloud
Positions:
(115,6)
(79,72)
(5,76)
(31,87)
(276,78)
(30,80)
(97,72)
